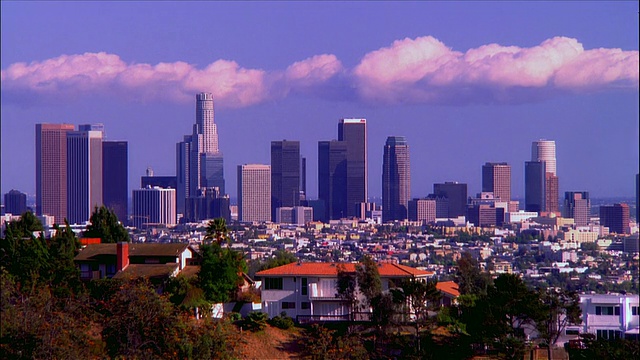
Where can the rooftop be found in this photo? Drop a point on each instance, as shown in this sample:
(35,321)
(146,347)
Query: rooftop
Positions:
(331,269)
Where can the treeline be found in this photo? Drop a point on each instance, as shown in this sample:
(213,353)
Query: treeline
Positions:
(47,312)
(492,318)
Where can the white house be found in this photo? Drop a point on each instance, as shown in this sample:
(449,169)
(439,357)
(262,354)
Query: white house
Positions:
(608,316)
(307,291)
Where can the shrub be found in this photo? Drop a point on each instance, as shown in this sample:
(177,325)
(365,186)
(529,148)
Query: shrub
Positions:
(256,321)
(282,321)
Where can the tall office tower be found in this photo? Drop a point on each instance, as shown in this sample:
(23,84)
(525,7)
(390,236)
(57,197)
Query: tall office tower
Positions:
(615,217)
(212,171)
(332,178)
(396,179)
(115,177)
(496,178)
(285,175)
(84,174)
(254,193)
(51,170)
(456,193)
(154,206)
(354,133)
(551,193)
(577,206)
(183,162)
(203,140)
(15,202)
(534,186)
(303,178)
(637,198)
(422,210)
(545,151)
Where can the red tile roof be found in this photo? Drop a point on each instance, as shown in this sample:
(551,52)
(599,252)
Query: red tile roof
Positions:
(330,270)
(448,287)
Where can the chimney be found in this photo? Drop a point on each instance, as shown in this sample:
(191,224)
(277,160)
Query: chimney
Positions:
(122,256)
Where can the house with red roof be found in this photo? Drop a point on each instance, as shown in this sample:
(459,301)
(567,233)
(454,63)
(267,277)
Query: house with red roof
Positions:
(307,291)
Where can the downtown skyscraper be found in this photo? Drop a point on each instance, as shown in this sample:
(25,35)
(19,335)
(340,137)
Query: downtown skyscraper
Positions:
(332,176)
(285,175)
(354,133)
(544,151)
(396,179)
(51,170)
(115,177)
(84,174)
(496,178)
(199,162)
(254,193)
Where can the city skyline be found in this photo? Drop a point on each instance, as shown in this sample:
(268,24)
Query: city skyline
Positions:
(594,124)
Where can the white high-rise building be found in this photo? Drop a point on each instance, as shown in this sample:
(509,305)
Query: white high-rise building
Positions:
(84,174)
(545,150)
(154,206)
(254,193)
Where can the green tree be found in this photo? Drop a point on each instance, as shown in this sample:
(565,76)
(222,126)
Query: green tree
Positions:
(140,323)
(418,297)
(368,279)
(561,308)
(469,277)
(104,224)
(346,288)
(65,275)
(220,272)
(217,231)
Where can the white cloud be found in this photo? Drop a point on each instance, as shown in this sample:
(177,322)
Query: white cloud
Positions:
(421,70)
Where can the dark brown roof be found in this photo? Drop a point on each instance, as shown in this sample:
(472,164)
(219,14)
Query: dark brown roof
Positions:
(92,250)
(190,271)
(146,270)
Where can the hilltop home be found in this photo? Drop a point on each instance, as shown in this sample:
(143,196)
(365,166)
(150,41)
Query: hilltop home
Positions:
(154,261)
(608,316)
(307,291)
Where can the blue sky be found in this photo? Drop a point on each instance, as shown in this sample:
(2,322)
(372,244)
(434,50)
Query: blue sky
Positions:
(465,82)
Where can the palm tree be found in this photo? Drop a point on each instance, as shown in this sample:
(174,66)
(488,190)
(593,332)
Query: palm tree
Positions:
(217,231)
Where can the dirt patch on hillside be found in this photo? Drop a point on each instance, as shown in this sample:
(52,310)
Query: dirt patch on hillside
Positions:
(272,343)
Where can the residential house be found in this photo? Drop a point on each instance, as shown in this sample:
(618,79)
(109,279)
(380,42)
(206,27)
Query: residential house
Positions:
(608,316)
(307,291)
(449,291)
(157,262)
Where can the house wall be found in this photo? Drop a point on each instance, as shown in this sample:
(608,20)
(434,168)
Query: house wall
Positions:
(623,322)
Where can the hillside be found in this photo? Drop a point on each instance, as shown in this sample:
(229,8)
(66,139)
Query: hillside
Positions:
(272,343)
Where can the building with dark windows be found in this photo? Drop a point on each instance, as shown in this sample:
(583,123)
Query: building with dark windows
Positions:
(84,174)
(212,171)
(545,151)
(456,193)
(332,179)
(115,177)
(15,202)
(422,210)
(577,206)
(51,170)
(153,207)
(285,175)
(166,182)
(396,179)
(183,180)
(534,186)
(615,217)
(496,178)
(254,193)
(354,133)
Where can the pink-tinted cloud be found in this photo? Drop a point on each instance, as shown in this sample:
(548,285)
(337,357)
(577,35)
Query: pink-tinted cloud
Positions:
(425,70)
(421,70)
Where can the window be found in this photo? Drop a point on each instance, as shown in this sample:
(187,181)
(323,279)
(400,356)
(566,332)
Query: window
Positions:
(305,305)
(572,332)
(634,311)
(273,283)
(608,334)
(288,305)
(607,310)
(305,287)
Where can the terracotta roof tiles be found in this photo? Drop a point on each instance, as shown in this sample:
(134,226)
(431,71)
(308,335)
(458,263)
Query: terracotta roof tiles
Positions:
(330,270)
